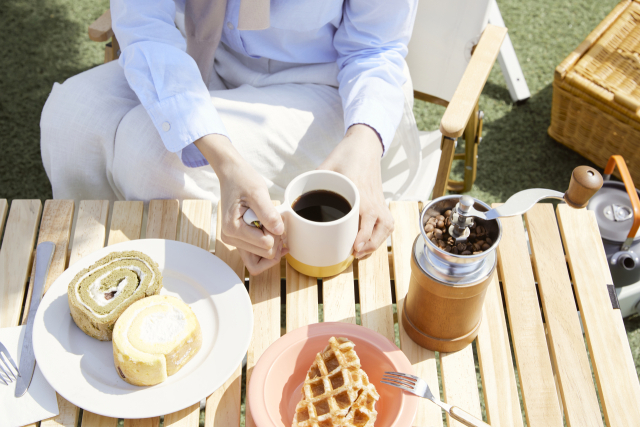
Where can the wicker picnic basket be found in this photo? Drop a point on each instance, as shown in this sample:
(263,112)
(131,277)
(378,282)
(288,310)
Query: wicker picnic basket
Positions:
(596,92)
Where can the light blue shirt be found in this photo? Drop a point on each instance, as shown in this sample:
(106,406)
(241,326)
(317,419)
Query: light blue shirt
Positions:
(366,38)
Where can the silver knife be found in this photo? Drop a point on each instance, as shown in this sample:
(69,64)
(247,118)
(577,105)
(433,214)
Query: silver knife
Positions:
(44,254)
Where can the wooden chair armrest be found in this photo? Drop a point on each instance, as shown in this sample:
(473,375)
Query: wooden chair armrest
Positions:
(475,76)
(100,30)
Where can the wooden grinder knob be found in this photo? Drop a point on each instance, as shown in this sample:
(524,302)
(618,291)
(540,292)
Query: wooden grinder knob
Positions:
(585,182)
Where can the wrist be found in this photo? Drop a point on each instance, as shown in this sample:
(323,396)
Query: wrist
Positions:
(220,153)
(365,138)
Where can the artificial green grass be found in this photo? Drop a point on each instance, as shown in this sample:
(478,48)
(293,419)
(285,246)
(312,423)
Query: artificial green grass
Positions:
(45,41)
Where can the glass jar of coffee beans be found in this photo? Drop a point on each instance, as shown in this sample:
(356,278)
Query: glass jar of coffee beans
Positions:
(437,229)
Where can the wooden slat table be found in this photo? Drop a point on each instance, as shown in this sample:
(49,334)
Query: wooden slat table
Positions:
(540,320)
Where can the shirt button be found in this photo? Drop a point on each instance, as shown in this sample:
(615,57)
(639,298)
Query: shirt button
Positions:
(230,25)
(166,126)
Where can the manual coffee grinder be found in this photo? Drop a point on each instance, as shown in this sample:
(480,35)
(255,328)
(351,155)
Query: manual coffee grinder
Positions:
(454,259)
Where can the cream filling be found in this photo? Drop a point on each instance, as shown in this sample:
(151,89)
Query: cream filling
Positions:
(139,272)
(159,328)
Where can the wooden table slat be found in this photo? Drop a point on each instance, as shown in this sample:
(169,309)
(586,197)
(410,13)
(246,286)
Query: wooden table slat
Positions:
(126,225)
(187,417)
(611,356)
(302,299)
(339,297)
(459,383)
(162,222)
(563,324)
(91,228)
(16,257)
(539,394)
(406,229)
(375,293)
(223,407)
(496,363)
(95,420)
(264,291)
(143,422)
(4,207)
(195,222)
(56,227)
(195,229)
(126,222)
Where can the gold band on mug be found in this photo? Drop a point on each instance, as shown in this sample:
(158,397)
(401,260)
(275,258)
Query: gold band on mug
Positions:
(309,270)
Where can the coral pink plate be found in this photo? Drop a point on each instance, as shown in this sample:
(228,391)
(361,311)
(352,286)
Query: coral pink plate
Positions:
(274,389)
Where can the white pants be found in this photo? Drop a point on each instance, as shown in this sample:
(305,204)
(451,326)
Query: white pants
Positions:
(98,142)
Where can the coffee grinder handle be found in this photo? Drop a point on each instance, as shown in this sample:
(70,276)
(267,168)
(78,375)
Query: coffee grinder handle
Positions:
(585,182)
(617,160)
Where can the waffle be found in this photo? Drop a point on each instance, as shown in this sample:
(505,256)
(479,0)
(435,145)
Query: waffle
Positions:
(363,412)
(336,391)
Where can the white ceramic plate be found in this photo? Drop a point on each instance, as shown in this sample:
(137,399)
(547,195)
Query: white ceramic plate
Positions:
(81,369)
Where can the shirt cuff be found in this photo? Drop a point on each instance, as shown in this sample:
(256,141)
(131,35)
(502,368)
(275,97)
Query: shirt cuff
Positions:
(182,119)
(372,113)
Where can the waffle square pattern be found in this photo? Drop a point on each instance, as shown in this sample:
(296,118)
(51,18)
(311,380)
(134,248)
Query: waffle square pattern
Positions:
(336,391)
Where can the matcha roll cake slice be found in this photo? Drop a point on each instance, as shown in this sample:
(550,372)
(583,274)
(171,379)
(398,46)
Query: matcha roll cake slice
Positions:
(154,338)
(98,295)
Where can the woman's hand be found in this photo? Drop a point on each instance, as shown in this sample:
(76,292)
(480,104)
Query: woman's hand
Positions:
(241,188)
(358,158)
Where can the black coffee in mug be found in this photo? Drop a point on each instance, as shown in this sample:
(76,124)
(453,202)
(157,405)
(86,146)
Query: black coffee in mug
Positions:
(321,206)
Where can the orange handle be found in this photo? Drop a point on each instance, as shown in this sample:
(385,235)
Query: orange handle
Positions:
(631,189)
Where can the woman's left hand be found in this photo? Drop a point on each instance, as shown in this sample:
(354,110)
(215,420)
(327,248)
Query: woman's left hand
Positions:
(358,158)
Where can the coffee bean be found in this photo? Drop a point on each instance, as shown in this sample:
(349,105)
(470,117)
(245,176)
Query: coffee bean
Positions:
(437,230)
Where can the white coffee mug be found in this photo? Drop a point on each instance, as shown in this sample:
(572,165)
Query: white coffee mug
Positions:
(318,249)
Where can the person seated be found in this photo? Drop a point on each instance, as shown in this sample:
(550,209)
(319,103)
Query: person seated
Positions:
(252,94)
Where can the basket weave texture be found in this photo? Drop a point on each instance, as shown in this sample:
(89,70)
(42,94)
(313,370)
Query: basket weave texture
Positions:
(596,92)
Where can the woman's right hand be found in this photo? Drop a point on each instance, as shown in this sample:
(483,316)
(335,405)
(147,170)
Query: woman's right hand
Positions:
(241,188)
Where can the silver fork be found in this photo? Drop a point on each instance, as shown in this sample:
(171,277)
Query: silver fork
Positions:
(419,387)
(6,362)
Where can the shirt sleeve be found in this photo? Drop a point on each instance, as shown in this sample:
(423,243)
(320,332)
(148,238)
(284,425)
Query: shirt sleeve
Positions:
(164,77)
(372,42)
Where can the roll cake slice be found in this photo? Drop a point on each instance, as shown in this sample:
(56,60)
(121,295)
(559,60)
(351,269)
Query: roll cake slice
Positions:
(98,295)
(154,338)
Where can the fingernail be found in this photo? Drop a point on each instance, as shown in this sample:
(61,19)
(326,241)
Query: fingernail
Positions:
(360,245)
